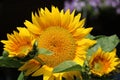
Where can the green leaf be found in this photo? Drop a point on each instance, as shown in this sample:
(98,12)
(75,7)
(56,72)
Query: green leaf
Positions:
(90,36)
(92,49)
(44,51)
(108,43)
(5,54)
(21,76)
(67,66)
(9,62)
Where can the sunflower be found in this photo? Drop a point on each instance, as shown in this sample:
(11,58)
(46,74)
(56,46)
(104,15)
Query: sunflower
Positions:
(18,43)
(62,33)
(103,62)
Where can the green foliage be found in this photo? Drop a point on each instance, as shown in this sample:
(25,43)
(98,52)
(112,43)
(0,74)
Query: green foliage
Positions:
(44,51)
(67,66)
(21,76)
(9,62)
(90,36)
(107,43)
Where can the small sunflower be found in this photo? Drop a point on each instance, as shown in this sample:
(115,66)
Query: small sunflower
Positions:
(103,62)
(18,43)
(62,33)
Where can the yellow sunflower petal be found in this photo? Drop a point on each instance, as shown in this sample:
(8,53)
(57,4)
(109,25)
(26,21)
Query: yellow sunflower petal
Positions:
(30,66)
(47,75)
(81,32)
(35,19)
(33,28)
(85,43)
(31,70)
(43,70)
(71,75)
(80,56)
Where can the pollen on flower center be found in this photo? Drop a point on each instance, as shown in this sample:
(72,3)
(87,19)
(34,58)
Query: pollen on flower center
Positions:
(98,66)
(60,41)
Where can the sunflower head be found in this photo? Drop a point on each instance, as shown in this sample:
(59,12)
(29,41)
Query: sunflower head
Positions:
(18,43)
(103,62)
(61,32)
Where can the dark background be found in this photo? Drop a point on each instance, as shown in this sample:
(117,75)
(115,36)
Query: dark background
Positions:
(14,12)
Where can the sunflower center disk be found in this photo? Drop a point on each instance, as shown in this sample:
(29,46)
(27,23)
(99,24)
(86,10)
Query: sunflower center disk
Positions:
(61,42)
